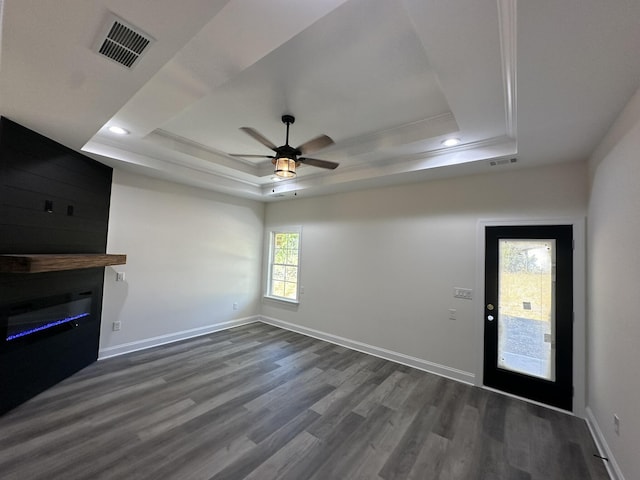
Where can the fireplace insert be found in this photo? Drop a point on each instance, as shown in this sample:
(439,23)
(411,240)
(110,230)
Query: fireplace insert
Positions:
(33,320)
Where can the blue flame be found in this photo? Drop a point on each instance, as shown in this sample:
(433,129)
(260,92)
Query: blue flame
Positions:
(46,326)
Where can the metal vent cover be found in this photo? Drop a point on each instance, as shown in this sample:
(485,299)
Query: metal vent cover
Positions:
(122,42)
(504,161)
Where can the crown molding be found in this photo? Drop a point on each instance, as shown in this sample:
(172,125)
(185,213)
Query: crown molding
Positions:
(194,149)
(477,152)
(116,155)
(420,130)
(507,20)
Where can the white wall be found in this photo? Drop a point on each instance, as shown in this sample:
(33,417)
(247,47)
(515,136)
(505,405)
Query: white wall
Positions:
(613,289)
(379,266)
(190,255)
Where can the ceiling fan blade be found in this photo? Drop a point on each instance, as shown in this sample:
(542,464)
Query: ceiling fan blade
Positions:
(250,156)
(315,144)
(318,163)
(259,137)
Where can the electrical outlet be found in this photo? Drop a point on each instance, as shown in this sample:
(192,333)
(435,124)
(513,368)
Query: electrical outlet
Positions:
(235,305)
(452,314)
(616,424)
(116,326)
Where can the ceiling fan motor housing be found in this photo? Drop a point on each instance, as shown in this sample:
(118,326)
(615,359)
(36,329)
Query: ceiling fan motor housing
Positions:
(288,151)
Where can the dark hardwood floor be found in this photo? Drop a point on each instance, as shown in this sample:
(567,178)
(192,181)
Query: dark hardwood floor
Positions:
(258,402)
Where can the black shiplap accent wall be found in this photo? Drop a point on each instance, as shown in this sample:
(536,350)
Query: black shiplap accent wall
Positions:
(36,172)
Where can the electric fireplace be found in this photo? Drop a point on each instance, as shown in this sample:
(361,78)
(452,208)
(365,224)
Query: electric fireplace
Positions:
(55,201)
(33,320)
(46,338)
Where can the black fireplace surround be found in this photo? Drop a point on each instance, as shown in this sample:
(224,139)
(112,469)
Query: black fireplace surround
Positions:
(52,200)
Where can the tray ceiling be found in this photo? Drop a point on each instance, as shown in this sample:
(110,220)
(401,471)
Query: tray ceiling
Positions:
(388,80)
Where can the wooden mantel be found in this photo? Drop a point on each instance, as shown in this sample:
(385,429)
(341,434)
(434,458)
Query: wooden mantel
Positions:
(37,263)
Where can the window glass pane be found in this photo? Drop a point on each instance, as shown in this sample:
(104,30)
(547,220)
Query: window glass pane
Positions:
(277,288)
(292,241)
(526,307)
(291,274)
(280,240)
(278,272)
(292,257)
(280,256)
(290,291)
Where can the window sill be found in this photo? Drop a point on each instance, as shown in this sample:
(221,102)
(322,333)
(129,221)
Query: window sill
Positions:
(283,300)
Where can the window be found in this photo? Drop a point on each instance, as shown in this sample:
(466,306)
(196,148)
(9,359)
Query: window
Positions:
(284,265)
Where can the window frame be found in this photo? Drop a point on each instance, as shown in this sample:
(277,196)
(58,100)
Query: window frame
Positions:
(270,262)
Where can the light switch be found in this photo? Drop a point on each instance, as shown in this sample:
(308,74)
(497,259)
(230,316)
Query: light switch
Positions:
(120,277)
(465,293)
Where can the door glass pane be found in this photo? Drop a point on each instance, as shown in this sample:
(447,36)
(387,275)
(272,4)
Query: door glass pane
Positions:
(526,306)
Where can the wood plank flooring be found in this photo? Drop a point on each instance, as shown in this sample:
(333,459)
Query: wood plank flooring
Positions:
(257,402)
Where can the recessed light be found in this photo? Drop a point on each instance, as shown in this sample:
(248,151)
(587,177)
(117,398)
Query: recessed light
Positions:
(118,130)
(451,142)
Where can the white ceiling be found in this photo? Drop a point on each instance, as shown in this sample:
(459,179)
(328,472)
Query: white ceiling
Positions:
(387,80)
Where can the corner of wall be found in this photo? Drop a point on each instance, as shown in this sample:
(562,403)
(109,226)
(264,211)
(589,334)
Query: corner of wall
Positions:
(613,469)
(625,122)
(612,257)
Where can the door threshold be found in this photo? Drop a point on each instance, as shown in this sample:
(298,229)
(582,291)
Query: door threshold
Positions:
(528,400)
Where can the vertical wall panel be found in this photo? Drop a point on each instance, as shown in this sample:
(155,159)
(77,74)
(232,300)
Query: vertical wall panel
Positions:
(36,172)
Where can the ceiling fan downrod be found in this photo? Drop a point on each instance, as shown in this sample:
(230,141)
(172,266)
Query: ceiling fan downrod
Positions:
(288,120)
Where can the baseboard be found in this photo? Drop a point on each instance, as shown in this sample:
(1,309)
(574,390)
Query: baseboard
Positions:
(418,363)
(172,337)
(603,447)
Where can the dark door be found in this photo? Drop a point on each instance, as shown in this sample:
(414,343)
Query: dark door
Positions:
(528,312)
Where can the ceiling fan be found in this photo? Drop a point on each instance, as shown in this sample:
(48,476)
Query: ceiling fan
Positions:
(287,158)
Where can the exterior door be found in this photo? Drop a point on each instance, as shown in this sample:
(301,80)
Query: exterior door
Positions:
(528,312)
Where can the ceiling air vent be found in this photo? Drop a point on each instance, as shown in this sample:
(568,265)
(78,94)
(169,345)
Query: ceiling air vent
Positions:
(504,161)
(122,42)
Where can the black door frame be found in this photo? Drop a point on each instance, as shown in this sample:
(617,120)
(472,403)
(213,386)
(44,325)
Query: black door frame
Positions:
(579,301)
(559,392)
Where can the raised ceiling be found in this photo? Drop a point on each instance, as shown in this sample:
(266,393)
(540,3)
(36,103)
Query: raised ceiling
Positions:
(388,80)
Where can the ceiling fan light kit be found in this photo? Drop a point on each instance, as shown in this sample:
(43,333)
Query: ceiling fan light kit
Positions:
(287,158)
(285,167)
